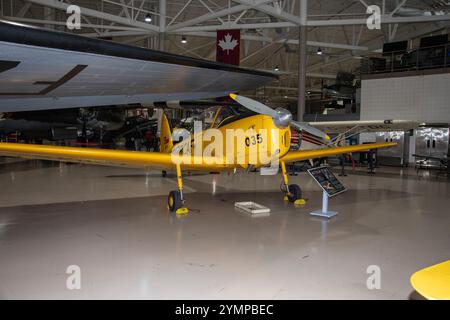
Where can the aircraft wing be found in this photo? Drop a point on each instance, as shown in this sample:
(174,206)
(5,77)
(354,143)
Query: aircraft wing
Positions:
(433,282)
(326,152)
(41,69)
(344,127)
(152,159)
(106,157)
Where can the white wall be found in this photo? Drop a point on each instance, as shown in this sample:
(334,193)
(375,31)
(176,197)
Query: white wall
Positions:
(423,98)
(420,98)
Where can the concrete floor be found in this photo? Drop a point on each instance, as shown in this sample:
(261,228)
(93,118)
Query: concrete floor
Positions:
(113,224)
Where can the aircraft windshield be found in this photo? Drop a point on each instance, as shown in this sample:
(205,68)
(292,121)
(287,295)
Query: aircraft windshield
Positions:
(212,117)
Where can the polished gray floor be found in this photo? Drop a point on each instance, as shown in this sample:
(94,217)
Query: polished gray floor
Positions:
(113,224)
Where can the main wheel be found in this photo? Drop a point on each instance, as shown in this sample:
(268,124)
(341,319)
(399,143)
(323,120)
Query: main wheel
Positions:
(174,201)
(295,193)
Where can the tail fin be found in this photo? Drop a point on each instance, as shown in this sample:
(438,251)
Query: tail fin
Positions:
(165,138)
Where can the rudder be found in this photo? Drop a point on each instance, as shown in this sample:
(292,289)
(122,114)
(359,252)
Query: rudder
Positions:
(165,138)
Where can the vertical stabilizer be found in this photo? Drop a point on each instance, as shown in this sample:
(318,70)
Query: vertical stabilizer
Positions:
(165,139)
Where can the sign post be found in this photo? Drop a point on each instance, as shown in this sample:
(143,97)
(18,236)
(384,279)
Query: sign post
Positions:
(331,187)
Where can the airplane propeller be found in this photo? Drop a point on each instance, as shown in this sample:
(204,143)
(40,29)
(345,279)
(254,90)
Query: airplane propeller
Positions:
(281,117)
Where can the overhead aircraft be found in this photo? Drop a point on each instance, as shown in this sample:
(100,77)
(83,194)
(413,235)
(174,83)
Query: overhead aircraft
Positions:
(44,70)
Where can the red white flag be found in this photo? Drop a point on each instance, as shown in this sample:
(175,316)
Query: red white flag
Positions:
(228,46)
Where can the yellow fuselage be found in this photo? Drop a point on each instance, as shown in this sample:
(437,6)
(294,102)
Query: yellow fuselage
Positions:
(253,141)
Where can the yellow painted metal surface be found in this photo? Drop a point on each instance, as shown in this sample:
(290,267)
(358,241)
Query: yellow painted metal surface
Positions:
(154,159)
(265,140)
(165,139)
(182,211)
(103,156)
(179,178)
(320,153)
(284,172)
(433,282)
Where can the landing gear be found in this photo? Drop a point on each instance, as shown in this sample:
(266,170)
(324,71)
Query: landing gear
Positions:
(371,164)
(175,202)
(293,193)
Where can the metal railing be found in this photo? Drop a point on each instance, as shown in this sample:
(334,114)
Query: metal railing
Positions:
(419,59)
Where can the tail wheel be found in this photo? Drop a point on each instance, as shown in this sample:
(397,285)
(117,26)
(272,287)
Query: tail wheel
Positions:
(174,201)
(295,193)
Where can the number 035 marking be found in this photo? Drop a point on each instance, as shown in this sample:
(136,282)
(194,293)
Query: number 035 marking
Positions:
(253,140)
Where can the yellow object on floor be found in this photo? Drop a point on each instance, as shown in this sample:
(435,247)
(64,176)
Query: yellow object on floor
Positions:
(182,211)
(433,282)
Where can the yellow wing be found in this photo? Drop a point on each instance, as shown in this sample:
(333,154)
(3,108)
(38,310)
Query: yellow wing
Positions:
(433,282)
(107,157)
(321,153)
(154,159)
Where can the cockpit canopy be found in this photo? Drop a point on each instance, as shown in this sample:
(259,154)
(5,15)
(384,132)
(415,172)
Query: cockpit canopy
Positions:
(216,117)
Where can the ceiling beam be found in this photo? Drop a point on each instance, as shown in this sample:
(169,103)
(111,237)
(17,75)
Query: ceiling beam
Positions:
(287,41)
(24,10)
(233,25)
(137,32)
(270,10)
(215,15)
(385,19)
(98,14)
(83,25)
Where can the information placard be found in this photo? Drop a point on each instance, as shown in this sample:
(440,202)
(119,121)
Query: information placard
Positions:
(327,181)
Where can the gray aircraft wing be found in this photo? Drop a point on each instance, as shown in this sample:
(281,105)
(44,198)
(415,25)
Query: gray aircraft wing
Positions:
(345,127)
(41,69)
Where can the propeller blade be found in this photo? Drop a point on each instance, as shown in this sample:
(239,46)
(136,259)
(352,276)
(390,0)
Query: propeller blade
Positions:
(260,108)
(310,129)
(254,106)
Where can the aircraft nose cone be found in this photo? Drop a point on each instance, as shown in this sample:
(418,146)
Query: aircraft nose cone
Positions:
(283,119)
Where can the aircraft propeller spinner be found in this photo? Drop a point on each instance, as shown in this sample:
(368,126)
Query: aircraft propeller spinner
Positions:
(281,117)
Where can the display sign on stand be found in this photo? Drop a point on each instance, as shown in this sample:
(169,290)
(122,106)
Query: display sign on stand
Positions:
(331,187)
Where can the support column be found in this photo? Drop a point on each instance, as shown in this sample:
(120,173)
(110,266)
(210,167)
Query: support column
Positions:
(303,32)
(162,24)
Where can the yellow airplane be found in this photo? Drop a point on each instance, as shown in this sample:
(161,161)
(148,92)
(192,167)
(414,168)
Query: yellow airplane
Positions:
(263,127)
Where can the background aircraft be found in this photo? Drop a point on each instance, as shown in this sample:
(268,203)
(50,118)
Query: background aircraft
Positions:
(63,123)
